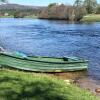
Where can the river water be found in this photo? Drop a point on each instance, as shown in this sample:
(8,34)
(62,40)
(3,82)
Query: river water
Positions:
(53,38)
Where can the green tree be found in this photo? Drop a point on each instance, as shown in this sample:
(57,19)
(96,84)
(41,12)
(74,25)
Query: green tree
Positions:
(98,9)
(78,3)
(90,5)
(52,4)
(79,10)
(3,1)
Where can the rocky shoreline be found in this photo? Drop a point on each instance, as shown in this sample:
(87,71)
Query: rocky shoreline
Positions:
(81,80)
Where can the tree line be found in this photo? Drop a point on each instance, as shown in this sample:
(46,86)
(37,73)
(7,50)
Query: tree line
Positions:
(73,12)
(18,11)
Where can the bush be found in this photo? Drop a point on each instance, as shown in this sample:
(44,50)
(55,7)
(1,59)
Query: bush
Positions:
(16,85)
(98,10)
(64,12)
(79,13)
(18,14)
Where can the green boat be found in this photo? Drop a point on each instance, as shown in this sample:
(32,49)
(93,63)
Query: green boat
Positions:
(42,64)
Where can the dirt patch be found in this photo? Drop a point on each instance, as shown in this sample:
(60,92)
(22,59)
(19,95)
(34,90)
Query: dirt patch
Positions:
(82,80)
(89,84)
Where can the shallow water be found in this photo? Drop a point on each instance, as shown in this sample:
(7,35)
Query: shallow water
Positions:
(53,38)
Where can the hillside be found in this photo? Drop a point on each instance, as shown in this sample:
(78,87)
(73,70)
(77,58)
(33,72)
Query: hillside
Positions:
(17,6)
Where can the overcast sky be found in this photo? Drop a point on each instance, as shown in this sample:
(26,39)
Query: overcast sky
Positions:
(41,2)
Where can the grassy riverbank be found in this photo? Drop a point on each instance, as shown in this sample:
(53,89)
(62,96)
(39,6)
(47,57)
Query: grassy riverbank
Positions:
(87,18)
(15,85)
(6,16)
(91,18)
(31,16)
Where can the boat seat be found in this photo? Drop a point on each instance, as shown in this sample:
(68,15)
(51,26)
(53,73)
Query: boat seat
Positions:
(65,58)
(20,54)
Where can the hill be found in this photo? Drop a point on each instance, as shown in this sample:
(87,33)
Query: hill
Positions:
(17,6)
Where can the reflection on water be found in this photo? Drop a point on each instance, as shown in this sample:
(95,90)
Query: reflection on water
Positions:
(53,38)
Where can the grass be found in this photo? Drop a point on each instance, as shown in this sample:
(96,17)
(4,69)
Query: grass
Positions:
(31,16)
(91,18)
(15,85)
(6,16)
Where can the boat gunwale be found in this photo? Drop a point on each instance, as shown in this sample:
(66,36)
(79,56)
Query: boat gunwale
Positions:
(73,62)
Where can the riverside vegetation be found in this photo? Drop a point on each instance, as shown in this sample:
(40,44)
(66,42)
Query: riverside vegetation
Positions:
(91,18)
(75,12)
(15,85)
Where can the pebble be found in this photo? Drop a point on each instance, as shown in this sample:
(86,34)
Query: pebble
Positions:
(97,90)
(68,82)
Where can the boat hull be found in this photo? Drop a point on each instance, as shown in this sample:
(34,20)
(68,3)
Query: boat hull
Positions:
(41,66)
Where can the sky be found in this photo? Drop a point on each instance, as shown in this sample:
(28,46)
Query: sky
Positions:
(41,2)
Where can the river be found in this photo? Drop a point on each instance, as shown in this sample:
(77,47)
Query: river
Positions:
(53,38)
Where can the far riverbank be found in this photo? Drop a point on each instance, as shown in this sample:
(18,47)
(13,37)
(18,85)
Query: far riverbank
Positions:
(91,18)
(87,18)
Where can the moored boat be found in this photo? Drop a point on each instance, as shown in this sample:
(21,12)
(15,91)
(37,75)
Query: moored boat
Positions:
(42,64)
